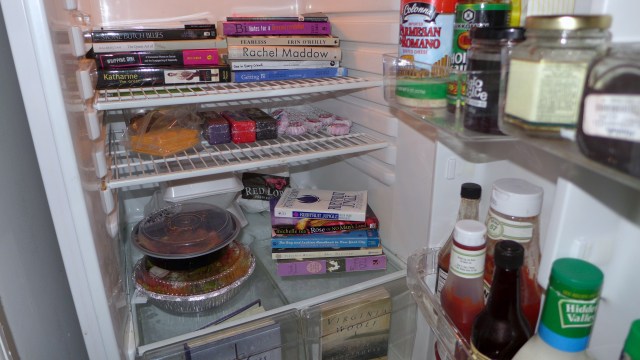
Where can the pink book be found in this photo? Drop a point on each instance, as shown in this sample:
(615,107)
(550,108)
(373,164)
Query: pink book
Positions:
(242,28)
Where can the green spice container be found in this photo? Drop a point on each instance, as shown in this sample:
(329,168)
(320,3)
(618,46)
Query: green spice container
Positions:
(547,72)
(631,349)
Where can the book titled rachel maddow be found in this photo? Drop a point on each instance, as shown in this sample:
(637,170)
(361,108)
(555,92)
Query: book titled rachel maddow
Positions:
(322,204)
(241,28)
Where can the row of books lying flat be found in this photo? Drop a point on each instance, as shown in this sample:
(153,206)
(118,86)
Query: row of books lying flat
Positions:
(324,231)
(247,49)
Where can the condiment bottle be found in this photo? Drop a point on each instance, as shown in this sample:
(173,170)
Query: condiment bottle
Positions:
(469,209)
(487,69)
(462,296)
(471,14)
(548,70)
(501,329)
(631,350)
(568,314)
(609,126)
(514,215)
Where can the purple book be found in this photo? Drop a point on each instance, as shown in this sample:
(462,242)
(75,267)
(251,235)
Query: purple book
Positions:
(294,267)
(242,28)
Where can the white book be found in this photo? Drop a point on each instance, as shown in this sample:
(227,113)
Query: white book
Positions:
(268,52)
(322,204)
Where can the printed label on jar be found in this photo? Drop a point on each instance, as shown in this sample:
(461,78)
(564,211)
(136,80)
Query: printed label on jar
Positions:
(467,264)
(545,93)
(426,35)
(499,228)
(440,280)
(612,116)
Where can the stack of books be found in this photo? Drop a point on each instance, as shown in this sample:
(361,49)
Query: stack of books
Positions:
(135,57)
(324,231)
(281,48)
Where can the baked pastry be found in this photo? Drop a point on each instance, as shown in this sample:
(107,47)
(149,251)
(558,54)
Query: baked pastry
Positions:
(295,128)
(312,125)
(327,119)
(338,129)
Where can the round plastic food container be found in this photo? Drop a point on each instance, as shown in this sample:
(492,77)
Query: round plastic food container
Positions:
(185,230)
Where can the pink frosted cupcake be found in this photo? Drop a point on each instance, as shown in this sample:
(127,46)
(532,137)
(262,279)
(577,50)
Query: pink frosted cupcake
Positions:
(283,124)
(327,119)
(312,125)
(295,128)
(338,129)
(342,121)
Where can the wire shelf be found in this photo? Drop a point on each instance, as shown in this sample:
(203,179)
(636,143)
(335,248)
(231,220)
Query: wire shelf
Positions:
(126,98)
(129,168)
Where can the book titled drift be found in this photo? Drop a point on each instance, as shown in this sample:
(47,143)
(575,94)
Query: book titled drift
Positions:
(322,204)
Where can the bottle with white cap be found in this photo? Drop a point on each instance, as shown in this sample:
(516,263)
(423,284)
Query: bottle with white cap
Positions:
(462,296)
(514,215)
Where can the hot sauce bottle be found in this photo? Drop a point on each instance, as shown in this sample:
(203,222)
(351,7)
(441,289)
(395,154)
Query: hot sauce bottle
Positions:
(462,296)
(514,215)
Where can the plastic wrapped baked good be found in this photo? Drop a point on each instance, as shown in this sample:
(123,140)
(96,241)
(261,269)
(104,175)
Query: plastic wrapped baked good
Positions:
(295,128)
(338,129)
(185,230)
(266,125)
(164,132)
(313,125)
(243,129)
(215,128)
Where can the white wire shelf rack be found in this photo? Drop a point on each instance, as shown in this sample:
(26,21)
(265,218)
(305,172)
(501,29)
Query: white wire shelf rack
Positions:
(129,168)
(115,99)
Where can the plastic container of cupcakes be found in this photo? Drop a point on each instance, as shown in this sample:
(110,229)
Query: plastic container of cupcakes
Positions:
(191,260)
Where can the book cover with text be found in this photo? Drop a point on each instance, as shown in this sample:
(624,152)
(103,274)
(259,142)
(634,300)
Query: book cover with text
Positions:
(322,204)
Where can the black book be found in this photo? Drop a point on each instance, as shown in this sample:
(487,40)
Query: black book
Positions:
(189,32)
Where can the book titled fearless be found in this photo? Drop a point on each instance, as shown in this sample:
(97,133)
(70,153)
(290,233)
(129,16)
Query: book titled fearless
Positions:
(284,52)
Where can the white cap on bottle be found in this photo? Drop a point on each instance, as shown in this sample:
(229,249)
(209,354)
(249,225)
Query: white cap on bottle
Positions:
(469,233)
(516,197)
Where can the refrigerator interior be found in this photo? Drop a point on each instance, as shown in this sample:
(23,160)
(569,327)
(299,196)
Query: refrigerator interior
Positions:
(411,170)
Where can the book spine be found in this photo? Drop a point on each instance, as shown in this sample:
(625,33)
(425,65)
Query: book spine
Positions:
(311,18)
(144,77)
(291,243)
(159,45)
(281,64)
(284,40)
(235,28)
(293,230)
(276,255)
(335,265)
(98,36)
(284,52)
(157,58)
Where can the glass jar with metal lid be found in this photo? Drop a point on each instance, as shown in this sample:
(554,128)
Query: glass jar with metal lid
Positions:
(548,72)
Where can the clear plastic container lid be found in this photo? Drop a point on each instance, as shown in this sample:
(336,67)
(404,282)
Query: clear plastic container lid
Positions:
(185,230)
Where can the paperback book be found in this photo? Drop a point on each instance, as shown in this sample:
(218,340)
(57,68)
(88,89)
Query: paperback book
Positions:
(297,267)
(322,204)
(313,17)
(157,58)
(316,253)
(282,226)
(241,28)
(358,327)
(351,239)
(284,40)
(244,65)
(274,52)
(189,32)
(157,76)
(159,45)
(285,74)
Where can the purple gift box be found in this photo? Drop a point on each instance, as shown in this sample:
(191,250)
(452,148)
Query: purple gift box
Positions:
(215,128)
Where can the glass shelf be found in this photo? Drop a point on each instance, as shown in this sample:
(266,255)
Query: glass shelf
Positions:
(421,279)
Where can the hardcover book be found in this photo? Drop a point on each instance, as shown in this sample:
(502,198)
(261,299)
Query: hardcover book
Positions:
(287,74)
(356,238)
(267,52)
(296,267)
(358,327)
(189,32)
(241,28)
(315,253)
(282,226)
(243,65)
(284,40)
(157,58)
(322,204)
(158,76)
(315,17)
(159,45)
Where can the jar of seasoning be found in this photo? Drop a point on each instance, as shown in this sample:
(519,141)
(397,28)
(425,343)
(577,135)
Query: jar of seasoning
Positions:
(609,126)
(488,61)
(548,71)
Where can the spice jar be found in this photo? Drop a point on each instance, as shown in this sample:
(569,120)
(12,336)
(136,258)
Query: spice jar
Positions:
(487,69)
(609,127)
(548,71)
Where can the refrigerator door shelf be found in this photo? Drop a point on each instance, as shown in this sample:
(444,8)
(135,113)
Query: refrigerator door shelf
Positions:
(226,93)
(130,168)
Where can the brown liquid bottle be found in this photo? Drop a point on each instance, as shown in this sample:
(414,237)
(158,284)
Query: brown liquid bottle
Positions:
(469,204)
(501,329)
